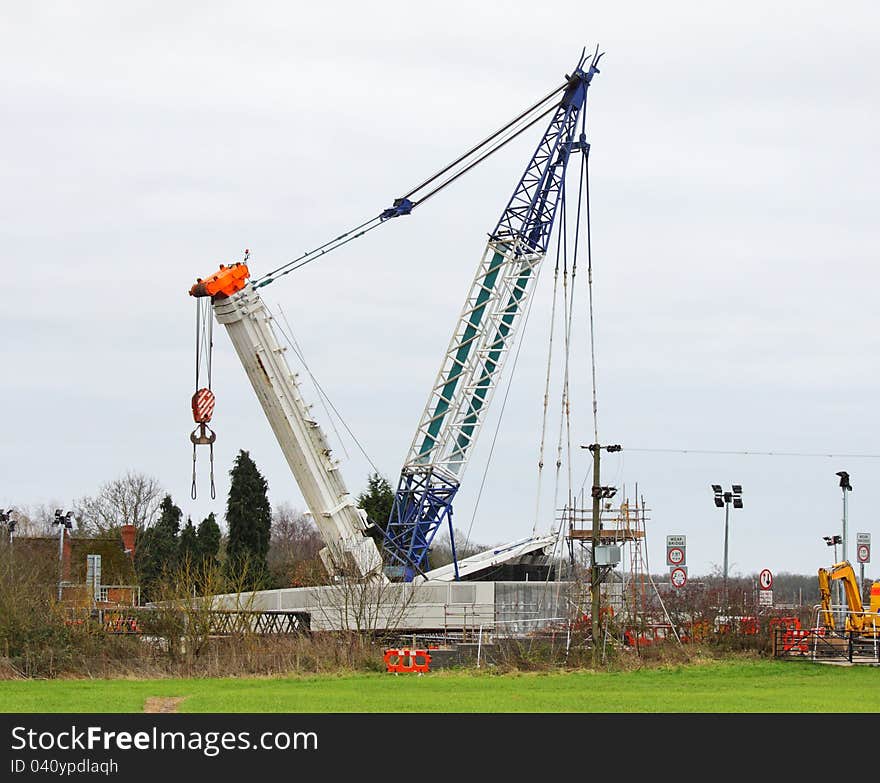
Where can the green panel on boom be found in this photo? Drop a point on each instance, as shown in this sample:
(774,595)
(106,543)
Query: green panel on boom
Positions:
(462,354)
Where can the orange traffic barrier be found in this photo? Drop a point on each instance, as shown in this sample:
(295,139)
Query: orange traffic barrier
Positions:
(406,660)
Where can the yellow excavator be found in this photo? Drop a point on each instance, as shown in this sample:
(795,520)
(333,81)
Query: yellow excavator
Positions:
(862,621)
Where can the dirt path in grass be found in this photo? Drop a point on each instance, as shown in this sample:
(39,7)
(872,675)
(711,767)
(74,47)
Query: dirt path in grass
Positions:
(163,703)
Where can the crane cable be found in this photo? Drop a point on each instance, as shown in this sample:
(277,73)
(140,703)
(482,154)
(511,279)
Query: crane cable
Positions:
(565,413)
(322,395)
(565,321)
(203,398)
(490,145)
(546,395)
(586,170)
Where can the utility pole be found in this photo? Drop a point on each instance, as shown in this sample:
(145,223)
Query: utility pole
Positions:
(595,575)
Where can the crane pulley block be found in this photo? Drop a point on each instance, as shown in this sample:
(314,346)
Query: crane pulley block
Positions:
(226,281)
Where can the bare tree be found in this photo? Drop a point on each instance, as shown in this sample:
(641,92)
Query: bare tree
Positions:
(293,546)
(441,548)
(369,605)
(131,499)
(35,520)
(187,599)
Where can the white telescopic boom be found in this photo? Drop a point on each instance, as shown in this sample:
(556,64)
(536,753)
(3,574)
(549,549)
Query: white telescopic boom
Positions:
(342,525)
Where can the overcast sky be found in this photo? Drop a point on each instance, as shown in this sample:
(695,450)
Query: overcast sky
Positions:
(734,171)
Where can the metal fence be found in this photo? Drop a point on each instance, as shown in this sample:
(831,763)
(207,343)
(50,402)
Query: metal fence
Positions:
(144,621)
(825,645)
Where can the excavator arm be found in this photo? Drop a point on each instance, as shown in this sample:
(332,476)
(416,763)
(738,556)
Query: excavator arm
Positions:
(825,598)
(856,619)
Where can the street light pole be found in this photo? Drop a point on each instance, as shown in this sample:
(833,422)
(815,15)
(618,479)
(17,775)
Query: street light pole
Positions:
(734,495)
(726,528)
(845,487)
(64,522)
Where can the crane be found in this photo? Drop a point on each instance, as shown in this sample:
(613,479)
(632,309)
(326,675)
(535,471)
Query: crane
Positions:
(480,343)
(237,305)
(468,375)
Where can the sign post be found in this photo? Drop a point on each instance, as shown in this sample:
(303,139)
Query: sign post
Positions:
(678,576)
(765,588)
(863,555)
(676,551)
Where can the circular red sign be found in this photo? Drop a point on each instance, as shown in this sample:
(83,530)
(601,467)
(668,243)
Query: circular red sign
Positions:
(765,579)
(675,555)
(678,577)
(864,553)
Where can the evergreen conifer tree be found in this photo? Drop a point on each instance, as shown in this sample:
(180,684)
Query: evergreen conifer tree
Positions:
(377,500)
(189,544)
(209,539)
(249,521)
(157,549)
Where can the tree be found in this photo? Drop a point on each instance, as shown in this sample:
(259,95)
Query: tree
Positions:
(293,548)
(248,519)
(130,499)
(208,536)
(377,500)
(188,547)
(157,549)
(440,553)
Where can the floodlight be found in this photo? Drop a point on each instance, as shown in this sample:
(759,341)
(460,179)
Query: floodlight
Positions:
(737,489)
(719,502)
(716,488)
(844,480)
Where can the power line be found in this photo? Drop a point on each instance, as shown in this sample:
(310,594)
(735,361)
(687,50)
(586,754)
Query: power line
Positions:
(760,453)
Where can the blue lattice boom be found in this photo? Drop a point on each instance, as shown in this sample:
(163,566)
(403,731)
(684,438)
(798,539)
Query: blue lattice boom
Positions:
(486,329)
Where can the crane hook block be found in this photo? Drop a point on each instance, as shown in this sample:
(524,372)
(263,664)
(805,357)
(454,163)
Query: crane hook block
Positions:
(203,406)
(224,282)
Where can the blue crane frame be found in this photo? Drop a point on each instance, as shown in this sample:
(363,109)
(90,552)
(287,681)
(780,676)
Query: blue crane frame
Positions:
(423,500)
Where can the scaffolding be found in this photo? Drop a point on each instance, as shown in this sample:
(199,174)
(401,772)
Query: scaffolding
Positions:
(621,526)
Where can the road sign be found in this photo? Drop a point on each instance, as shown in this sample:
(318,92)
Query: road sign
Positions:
(678,576)
(676,550)
(675,556)
(863,547)
(765,598)
(765,579)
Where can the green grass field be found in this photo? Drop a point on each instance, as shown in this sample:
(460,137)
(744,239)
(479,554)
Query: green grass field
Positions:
(759,686)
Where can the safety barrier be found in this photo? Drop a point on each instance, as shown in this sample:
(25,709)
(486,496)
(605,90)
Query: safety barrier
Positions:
(823,644)
(406,660)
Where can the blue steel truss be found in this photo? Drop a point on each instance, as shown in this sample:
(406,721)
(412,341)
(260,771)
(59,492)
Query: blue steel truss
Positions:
(423,502)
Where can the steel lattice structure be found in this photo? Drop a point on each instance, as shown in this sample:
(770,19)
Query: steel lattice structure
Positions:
(485,331)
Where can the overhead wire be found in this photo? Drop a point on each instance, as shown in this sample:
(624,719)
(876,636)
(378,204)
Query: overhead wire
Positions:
(759,453)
